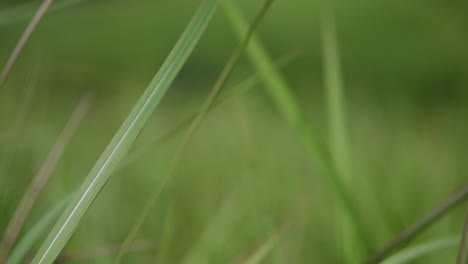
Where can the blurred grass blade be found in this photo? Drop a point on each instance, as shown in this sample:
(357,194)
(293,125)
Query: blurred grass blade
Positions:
(26,11)
(41,178)
(412,253)
(339,142)
(31,236)
(463,248)
(195,124)
(421,224)
(24,38)
(289,107)
(125,136)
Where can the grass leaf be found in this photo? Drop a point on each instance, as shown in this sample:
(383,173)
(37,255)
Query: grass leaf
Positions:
(125,136)
(40,179)
(289,107)
(195,124)
(420,225)
(31,236)
(339,142)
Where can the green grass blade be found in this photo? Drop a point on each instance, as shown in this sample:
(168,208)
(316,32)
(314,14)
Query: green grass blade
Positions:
(339,143)
(412,253)
(41,178)
(26,243)
(125,136)
(421,224)
(195,124)
(289,107)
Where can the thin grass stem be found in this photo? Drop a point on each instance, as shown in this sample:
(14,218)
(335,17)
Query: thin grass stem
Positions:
(24,38)
(41,178)
(420,225)
(207,104)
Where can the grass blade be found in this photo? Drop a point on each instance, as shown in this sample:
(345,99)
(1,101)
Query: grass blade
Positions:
(207,104)
(339,142)
(41,178)
(125,136)
(463,251)
(417,251)
(24,38)
(26,243)
(420,225)
(289,107)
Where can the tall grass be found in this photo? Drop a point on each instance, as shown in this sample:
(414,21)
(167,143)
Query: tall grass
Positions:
(288,105)
(41,178)
(337,127)
(195,124)
(331,155)
(127,133)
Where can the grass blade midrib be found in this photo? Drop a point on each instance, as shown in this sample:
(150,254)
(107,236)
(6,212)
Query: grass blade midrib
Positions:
(126,134)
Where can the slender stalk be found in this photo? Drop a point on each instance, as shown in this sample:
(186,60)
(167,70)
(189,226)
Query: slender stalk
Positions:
(24,38)
(288,105)
(337,128)
(463,249)
(125,136)
(420,225)
(219,84)
(41,178)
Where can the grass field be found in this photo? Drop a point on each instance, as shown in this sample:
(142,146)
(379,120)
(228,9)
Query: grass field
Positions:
(334,130)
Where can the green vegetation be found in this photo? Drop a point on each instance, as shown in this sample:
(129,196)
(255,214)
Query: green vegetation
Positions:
(350,148)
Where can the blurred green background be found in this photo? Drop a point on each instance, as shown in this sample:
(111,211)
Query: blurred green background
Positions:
(405,71)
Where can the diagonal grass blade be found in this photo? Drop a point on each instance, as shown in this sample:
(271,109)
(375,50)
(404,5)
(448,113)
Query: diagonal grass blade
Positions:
(125,136)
